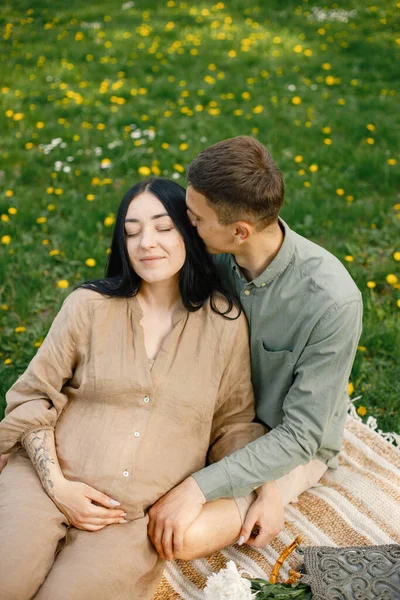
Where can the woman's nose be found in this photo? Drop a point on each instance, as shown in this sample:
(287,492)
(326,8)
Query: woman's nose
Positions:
(149,239)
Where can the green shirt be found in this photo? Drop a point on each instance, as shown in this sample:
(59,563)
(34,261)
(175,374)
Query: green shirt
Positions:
(304,313)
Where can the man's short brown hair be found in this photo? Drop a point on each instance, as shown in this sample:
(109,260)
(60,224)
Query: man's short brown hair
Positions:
(239,180)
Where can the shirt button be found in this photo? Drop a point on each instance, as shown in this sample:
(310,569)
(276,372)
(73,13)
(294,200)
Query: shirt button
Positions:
(136,434)
(125,473)
(146,399)
(247,292)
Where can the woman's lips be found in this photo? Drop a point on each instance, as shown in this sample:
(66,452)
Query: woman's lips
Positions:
(150,259)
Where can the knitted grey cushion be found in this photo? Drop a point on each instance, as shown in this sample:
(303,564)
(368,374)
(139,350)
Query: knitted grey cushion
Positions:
(363,573)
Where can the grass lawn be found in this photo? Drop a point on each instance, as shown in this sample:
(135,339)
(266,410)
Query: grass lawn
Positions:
(95,96)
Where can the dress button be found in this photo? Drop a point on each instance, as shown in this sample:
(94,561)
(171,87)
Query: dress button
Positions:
(125,473)
(247,292)
(146,399)
(136,434)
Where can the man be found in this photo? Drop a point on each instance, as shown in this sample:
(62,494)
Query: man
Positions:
(304,313)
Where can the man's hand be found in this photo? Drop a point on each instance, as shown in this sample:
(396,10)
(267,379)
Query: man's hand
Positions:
(172,515)
(265,517)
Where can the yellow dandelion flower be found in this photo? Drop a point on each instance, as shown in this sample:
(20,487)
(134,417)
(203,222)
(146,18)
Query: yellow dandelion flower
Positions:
(350,389)
(298,158)
(328,141)
(301,172)
(326,130)
(327,66)
(306,184)
(109,221)
(396,256)
(38,344)
(18,116)
(179,168)
(371,285)
(392,161)
(62,284)
(58,191)
(361,348)
(396,207)
(50,190)
(232,53)
(297,49)
(258,109)
(5,218)
(9,193)
(362,411)
(341,101)
(238,112)
(6,239)
(308,52)
(313,168)
(371,127)
(392,279)
(296,100)
(340,191)
(183,146)
(45,242)
(349,198)
(51,207)
(398,302)
(349,258)
(39,125)
(90,262)
(156,170)
(54,252)
(41,220)
(144,171)
(370,141)
(4,307)
(29,145)
(20,329)
(8,361)
(90,197)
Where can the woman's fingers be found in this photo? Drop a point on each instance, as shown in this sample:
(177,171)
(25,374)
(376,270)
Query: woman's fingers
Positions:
(99,497)
(105,513)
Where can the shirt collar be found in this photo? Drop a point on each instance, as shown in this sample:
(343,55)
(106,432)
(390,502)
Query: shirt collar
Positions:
(279,263)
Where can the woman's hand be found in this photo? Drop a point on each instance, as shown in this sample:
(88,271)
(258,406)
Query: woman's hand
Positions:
(76,502)
(265,517)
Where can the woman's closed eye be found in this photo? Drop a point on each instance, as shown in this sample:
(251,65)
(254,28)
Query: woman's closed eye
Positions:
(134,234)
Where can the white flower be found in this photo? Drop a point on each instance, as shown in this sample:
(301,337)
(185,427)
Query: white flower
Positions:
(175,175)
(228,584)
(58,165)
(98,151)
(67,169)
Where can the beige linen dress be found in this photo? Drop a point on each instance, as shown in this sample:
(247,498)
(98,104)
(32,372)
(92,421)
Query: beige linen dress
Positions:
(129,429)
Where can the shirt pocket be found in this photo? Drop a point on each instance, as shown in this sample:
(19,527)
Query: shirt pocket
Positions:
(277,373)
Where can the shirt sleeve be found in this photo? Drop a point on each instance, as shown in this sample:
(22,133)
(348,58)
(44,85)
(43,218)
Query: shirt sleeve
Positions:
(233,423)
(316,398)
(36,399)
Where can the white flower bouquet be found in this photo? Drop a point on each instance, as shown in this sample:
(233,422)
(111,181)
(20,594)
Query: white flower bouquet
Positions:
(229,584)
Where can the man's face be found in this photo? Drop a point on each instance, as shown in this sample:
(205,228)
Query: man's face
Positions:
(217,238)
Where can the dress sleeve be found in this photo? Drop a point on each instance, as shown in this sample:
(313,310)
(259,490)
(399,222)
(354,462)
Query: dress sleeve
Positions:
(36,399)
(233,423)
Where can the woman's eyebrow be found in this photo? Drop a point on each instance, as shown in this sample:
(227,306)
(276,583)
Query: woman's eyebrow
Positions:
(152,218)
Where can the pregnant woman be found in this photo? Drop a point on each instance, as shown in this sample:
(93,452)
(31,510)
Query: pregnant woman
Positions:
(142,376)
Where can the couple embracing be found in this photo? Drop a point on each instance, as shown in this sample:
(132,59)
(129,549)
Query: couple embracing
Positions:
(177,405)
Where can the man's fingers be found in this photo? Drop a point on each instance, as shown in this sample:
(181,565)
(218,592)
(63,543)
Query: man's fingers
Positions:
(167,544)
(104,513)
(178,541)
(248,525)
(99,497)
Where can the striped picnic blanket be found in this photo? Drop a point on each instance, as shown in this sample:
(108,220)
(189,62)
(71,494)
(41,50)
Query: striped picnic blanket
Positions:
(357,504)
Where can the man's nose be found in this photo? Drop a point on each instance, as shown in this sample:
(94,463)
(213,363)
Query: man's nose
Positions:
(191,218)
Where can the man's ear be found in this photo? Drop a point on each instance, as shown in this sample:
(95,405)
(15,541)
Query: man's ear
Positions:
(242,232)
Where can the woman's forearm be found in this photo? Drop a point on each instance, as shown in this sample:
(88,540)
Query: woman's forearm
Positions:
(41,449)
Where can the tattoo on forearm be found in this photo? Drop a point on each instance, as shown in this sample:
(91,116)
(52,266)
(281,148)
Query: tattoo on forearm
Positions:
(37,447)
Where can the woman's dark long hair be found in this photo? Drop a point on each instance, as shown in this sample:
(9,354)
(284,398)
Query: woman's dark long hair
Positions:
(198,278)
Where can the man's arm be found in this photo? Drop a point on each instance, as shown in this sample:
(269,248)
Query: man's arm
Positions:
(315,402)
